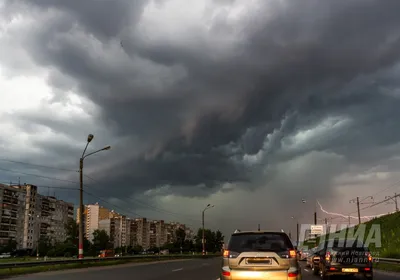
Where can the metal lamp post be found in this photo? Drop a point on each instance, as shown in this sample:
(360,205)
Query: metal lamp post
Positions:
(80,213)
(203,238)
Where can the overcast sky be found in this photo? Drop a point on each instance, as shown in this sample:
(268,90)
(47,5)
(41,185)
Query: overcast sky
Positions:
(248,105)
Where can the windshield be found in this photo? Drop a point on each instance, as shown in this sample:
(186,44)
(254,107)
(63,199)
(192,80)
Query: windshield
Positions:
(345,244)
(263,242)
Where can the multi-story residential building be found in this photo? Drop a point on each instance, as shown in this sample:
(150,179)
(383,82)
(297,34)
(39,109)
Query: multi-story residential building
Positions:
(12,214)
(53,216)
(157,233)
(92,215)
(26,216)
(133,232)
(142,234)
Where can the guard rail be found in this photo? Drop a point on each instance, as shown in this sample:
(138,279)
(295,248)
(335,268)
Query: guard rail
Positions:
(387,260)
(10,265)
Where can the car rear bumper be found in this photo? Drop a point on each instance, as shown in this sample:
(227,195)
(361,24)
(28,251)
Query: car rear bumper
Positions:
(341,270)
(258,275)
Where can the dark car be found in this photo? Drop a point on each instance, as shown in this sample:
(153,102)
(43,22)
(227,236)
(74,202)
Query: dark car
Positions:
(344,258)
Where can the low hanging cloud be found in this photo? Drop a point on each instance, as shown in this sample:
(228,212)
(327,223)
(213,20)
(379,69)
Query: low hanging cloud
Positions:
(199,99)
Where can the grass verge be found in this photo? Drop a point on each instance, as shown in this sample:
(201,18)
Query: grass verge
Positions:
(387,267)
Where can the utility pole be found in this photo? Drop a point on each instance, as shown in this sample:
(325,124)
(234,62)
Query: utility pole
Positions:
(358,202)
(394,198)
(358,210)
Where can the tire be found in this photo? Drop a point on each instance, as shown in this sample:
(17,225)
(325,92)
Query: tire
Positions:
(315,270)
(369,277)
(323,275)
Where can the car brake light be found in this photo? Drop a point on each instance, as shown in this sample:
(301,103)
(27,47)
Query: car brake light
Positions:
(328,256)
(369,257)
(226,253)
(226,273)
(293,274)
(230,255)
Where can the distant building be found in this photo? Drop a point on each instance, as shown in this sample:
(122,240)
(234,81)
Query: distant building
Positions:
(26,216)
(93,213)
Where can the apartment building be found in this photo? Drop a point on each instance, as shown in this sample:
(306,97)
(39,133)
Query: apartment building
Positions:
(12,214)
(133,232)
(92,215)
(142,234)
(157,233)
(26,216)
(53,216)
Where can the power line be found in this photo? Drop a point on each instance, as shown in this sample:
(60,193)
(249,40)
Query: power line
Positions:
(37,165)
(39,176)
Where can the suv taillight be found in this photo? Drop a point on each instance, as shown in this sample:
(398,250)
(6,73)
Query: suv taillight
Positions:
(230,254)
(369,256)
(328,256)
(288,254)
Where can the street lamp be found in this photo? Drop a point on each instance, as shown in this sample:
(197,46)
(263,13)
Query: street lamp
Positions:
(315,210)
(297,230)
(203,239)
(80,213)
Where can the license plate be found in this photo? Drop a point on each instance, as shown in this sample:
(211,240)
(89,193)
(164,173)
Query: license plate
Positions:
(349,269)
(259,261)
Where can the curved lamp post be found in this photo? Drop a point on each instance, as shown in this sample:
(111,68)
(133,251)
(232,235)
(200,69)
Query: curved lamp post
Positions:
(202,216)
(80,213)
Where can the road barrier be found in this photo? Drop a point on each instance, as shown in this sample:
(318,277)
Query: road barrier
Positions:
(136,257)
(387,260)
(92,260)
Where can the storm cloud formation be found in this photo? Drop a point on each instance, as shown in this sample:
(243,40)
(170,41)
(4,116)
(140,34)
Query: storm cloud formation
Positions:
(216,96)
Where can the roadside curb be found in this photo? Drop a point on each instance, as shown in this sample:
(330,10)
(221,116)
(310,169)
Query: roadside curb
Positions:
(387,273)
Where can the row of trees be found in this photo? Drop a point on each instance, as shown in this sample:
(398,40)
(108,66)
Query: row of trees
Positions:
(101,240)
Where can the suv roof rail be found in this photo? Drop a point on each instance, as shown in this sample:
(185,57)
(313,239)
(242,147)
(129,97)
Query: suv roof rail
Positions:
(236,231)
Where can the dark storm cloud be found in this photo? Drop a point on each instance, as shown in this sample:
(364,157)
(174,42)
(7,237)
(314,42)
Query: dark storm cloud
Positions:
(293,58)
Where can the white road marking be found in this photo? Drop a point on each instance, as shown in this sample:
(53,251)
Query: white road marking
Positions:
(306,270)
(178,269)
(219,279)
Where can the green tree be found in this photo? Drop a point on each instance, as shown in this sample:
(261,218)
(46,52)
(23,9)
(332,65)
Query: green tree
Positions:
(101,240)
(72,230)
(214,240)
(10,247)
(44,246)
(180,236)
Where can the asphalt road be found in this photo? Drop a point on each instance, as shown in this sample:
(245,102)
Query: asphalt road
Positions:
(169,270)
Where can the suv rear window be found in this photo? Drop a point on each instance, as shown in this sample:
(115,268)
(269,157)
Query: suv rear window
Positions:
(263,242)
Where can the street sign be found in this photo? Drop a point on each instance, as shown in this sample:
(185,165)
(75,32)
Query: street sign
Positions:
(317,229)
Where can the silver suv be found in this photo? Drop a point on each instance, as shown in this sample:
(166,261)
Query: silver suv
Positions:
(260,255)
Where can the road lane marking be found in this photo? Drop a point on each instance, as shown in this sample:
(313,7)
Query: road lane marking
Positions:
(306,270)
(178,269)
